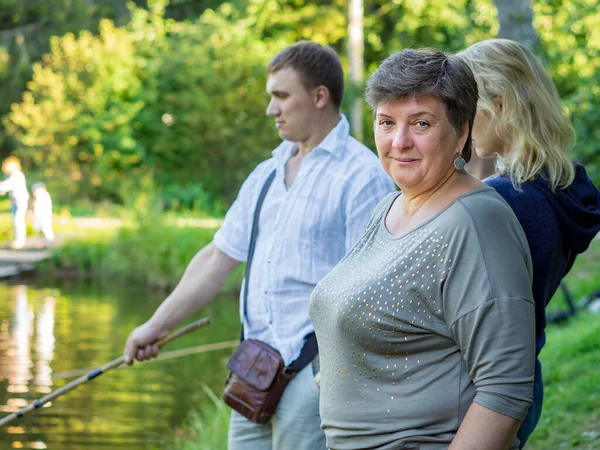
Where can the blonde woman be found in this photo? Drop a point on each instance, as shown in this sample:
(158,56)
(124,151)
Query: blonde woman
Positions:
(15,184)
(520,118)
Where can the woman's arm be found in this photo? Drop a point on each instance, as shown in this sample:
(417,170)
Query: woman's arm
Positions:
(489,306)
(483,428)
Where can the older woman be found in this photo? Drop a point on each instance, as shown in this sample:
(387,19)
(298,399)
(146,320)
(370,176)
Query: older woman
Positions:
(520,117)
(426,327)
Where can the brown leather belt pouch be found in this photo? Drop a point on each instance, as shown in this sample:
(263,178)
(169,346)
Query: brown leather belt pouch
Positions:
(257,380)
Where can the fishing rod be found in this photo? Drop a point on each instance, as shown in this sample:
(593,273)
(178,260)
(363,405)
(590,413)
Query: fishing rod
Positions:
(97,372)
(162,357)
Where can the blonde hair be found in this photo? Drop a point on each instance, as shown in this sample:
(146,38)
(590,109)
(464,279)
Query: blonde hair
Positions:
(11,161)
(532,120)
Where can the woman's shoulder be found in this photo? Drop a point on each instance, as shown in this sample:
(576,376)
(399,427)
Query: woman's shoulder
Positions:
(485,225)
(486,210)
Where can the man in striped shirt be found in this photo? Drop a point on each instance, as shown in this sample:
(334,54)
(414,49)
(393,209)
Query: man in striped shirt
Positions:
(325,188)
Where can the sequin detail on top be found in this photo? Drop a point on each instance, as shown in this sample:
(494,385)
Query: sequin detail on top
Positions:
(383,297)
(408,325)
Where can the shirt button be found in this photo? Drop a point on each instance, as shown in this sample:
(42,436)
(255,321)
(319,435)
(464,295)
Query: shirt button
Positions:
(265,292)
(269,260)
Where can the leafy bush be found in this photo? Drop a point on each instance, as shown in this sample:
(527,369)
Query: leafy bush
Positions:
(184,101)
(178,99)
(74,120)
(204,116)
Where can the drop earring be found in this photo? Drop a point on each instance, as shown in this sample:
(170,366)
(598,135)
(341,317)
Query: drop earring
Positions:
(459,162)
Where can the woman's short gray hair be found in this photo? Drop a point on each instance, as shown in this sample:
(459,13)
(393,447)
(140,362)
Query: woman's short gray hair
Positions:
(428,72)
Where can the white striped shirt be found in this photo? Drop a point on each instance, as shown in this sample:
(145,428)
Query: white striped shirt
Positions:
(303,231)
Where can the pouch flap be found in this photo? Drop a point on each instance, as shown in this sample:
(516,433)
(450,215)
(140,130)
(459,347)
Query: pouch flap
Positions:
(256,363)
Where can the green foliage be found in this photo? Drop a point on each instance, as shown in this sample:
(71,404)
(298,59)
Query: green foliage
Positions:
(585,115)
(184,100)
(204,117)
(145,250)
(103,110)
(569,31)
(26,27)
(571,401)
(74,121)
(569,359)
(206,429)
(322,21)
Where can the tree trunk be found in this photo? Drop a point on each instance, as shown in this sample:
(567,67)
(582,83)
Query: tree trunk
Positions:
(516,21)
(356,48)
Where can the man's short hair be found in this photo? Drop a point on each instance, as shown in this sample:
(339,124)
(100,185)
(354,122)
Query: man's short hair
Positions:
(317,65)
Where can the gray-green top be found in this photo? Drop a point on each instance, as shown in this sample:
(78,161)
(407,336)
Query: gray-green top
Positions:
(414,328)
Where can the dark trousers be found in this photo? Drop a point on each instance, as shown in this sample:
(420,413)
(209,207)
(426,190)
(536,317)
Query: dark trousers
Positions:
(535,410)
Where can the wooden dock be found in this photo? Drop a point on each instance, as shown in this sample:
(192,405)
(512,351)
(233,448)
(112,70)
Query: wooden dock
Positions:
(14,262)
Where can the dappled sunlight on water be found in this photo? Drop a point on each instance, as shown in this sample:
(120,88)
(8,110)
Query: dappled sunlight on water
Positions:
(46,332)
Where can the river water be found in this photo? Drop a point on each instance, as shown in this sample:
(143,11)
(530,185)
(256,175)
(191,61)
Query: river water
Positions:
(48,331)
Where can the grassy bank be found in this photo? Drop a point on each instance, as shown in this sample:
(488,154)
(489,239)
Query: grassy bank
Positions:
(571,361)
(204,430)
(571,365)
(152,255)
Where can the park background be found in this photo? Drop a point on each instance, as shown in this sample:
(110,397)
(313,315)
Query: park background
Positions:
(147,116)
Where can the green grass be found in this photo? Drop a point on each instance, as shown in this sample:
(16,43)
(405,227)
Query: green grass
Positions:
(203,430)
(146,251)
(571,368)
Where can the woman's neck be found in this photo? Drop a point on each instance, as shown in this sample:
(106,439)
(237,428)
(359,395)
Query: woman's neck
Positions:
(413,201)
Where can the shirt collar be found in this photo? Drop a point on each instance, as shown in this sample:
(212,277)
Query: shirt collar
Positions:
(334,142)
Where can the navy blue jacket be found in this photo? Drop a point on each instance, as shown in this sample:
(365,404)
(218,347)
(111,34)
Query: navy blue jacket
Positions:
(558,227)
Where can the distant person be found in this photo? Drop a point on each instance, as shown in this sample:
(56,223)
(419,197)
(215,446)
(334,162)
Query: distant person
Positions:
(325,187)
(42,211)
(16,184)
(521,119)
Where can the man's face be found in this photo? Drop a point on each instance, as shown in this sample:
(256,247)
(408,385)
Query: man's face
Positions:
(291,105)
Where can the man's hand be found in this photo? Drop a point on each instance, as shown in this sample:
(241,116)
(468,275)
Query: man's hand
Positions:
(140,343)
(204,276)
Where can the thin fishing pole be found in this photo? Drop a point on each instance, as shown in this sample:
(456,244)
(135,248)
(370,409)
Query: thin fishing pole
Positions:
(97,372)
(161,357)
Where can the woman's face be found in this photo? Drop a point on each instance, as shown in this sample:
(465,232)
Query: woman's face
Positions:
(415,141)
(486,140)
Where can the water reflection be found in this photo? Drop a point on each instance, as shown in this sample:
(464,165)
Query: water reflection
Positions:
(45,331)
(44,346)
(18,359)
(18,370)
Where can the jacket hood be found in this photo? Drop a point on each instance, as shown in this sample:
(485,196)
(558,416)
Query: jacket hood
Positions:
(577,208)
